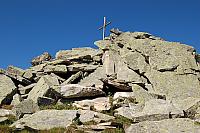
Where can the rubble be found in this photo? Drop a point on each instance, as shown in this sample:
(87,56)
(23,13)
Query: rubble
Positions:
(133,78)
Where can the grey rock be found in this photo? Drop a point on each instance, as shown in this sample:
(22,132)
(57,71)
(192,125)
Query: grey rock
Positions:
(39,59)
(44,101)
(25,107)
(47,119)
(74,77)
(16,99)
(99,104)
(154,110)
(115,31)
(120,85)
(169,126)
(78,91)
(87,116)
(81,54)
(28,74)
(82,67)
(43,87)
(8,89)
(5,112)
(3,119)
(15,71)
(61,69)
(94,78)
(26,89)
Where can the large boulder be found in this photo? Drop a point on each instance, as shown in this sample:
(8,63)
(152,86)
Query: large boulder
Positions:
(78,91)
(7,89)
(40,59)
(47,119)
(169,126)
(43,87)
(81,54)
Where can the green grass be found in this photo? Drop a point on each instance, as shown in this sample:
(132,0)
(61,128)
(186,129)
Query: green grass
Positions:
(117,130)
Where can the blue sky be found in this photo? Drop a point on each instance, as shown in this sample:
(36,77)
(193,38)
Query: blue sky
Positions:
(31,27)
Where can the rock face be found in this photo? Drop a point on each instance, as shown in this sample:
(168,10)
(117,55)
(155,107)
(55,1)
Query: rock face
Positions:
(170,126)
(137,78)
(7,88)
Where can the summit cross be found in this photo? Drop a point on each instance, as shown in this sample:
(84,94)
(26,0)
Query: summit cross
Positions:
(104,26)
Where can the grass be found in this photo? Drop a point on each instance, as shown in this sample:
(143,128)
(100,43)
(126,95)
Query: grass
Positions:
(117,130)
(67,106)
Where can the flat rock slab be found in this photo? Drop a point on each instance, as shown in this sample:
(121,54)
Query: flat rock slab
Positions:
(99,104)
(177,125)
(47,119)
(155,109)
(7,88)
(82,67)
(78,91)
(5,112)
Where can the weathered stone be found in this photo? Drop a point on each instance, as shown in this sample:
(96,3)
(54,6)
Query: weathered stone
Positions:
(82,67)
(3,119)
(16,99)
(81,54)
(15,71)
(87,116)
(58,77)
(43,87)
(155,109)
(26,89)
(62,69)
(5,112)
(39,59)
(8,89)
(169,126)
(47,119)
(120,85)
(176,87)
(116,31)
(94,78)
(44,101)
(74,77)
(99,104)
(28,74)
(78,91)
(59,62)
(123,99)
(25,107)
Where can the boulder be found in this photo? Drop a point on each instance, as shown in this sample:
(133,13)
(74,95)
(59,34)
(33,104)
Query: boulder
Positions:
(40,59)
(8,89)
(88,116)
(25,107)
(94,78)
(15,71)
(169,126)
(78,91)
(82,67)
(60,69)
(47,119)
(16,99)
(5,112)
(43,87)
(26,89)
(80,54)
(98,104)
(73,78)
(154,110)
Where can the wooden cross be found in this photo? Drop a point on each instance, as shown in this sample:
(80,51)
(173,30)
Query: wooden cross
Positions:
(104,27)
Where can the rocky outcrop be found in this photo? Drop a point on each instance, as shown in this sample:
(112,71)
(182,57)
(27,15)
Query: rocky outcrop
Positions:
(137,78)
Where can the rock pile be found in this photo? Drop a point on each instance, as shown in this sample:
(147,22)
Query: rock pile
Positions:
(133,82)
